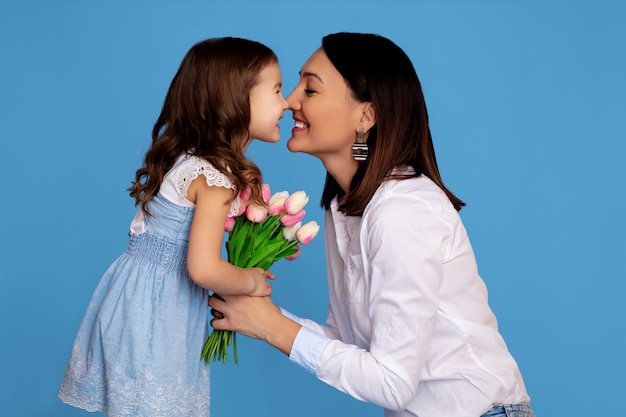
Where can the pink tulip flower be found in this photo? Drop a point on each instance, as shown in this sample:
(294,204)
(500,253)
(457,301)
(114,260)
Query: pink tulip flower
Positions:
(266,193)
(306,233)
(289,232)
(244,195)
(255,213)
(295,255)
(296,202)
(291,219)
(244,199)
(229,224)
(276,203)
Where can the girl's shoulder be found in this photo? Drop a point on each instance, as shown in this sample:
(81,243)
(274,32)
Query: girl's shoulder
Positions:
(188,168)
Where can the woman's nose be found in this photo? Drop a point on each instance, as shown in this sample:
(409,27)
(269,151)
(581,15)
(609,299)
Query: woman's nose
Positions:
(292,100)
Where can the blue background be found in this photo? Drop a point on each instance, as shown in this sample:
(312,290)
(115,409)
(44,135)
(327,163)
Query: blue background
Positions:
(526,100)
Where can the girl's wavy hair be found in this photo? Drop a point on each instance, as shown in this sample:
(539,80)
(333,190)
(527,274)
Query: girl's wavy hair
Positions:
(206,113)
(378,71)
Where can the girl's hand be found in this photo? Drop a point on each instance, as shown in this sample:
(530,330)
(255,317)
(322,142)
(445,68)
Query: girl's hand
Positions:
(261,286)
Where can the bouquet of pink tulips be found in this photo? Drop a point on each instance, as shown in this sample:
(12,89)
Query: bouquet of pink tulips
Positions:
(258,237)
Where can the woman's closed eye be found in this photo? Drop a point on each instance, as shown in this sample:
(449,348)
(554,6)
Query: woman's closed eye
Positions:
(309,91)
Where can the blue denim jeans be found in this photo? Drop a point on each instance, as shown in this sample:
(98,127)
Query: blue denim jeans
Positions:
(510,410)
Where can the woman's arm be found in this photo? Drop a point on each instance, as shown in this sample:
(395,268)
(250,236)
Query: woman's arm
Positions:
(402,255)
(329,330)
(403,264)
(204,262)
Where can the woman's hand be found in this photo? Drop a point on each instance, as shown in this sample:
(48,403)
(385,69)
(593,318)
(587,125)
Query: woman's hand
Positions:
(255,317)
(250,316)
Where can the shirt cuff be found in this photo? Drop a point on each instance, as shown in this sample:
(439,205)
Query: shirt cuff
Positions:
(307,348)
(290,315)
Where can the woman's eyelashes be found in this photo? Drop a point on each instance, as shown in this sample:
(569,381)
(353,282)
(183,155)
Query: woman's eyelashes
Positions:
(309,91)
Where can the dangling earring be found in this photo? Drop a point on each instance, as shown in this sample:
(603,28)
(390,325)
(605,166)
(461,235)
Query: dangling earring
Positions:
(360,150)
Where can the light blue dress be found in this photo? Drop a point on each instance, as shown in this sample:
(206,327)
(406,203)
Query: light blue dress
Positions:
(137,351)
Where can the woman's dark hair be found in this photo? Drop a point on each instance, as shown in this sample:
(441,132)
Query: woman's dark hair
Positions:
(378,71)
(206,112)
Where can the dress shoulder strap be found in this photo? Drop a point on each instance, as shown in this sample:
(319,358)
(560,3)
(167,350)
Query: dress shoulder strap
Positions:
(191,167)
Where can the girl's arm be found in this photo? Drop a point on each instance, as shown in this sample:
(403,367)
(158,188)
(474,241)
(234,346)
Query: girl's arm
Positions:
(204,262)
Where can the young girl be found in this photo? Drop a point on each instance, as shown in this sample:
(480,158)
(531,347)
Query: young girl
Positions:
(137,351)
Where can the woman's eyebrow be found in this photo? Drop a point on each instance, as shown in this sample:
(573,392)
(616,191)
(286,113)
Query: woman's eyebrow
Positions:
(311,74)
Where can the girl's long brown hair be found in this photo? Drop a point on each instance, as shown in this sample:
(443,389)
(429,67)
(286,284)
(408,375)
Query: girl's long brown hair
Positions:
(206,112)
(378,71)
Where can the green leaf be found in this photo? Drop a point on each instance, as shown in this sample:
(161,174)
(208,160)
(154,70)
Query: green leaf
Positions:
(239,241)
(288,245)
(266,251)
(247,247)
(284,253)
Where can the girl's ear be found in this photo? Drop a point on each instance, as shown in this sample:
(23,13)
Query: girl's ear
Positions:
(368,117)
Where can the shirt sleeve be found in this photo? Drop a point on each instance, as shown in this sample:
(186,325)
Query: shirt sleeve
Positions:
(307,348)
(402,241)
(326,331)
(309,342)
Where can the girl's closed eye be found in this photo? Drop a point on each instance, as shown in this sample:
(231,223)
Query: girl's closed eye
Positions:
(309,91)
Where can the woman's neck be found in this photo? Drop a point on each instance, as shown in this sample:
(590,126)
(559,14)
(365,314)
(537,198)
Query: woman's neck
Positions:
(341,169)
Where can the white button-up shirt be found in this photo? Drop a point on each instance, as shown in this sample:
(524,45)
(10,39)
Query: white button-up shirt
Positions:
(409,327)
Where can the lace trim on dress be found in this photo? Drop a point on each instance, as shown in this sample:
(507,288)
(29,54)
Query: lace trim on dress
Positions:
(196,166)
(96,387)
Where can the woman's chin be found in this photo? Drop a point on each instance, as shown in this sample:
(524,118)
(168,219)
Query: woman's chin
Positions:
(294,145)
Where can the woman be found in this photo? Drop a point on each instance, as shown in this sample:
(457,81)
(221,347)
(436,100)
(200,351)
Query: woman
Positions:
(409,326)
